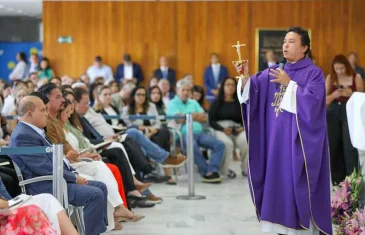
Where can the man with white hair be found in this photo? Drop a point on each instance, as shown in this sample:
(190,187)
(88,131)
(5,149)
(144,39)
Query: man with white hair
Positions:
(182,104)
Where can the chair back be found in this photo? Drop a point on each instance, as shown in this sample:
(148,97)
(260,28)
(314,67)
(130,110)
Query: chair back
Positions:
(20,177)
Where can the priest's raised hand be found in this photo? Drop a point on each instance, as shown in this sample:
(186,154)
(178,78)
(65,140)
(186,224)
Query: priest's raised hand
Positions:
(281,76)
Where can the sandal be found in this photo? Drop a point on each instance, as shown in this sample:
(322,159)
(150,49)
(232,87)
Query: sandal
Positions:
(133,219)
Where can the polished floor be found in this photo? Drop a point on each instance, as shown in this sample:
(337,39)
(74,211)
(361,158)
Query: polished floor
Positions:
(227,210)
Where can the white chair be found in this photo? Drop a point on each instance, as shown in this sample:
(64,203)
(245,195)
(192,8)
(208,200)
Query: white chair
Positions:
(70,209)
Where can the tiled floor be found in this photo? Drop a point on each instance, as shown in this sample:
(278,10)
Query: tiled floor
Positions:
(227,210)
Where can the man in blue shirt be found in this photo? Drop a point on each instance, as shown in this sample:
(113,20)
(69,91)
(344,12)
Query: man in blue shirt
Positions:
(181,104)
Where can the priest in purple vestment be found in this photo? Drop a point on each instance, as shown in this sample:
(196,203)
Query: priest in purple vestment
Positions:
(284,111)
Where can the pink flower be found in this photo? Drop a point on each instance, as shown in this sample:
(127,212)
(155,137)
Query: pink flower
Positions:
(358,181)
(345,206)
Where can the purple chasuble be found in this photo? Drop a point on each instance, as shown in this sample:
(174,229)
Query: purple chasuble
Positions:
(288,166)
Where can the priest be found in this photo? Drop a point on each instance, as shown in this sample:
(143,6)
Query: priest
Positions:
(284,111)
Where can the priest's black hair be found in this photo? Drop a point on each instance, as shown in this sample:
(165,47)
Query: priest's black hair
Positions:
(304,36)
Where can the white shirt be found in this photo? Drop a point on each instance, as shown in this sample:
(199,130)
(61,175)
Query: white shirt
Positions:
(33,68)
(111,111)
(98,122)
(19,72)
(9,105)
(216,69)
(355,109)
(104,71)
(43,134)
(72,140)
(128,71)
(164,71)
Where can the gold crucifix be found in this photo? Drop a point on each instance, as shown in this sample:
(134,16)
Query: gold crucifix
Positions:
(238,48)
(278,97)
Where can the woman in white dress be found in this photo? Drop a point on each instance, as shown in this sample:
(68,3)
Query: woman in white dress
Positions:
(98,170)
(51,207)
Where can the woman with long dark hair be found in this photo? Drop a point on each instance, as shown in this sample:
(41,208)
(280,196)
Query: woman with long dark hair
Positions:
(155,96)
(199,95)
(140,105)
(341,83)
(45,70)
(225,118)
(21,69)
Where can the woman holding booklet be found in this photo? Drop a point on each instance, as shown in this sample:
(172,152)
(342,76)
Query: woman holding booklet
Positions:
(33,215)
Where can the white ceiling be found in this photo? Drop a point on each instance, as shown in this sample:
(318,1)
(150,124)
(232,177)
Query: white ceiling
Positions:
(32,8)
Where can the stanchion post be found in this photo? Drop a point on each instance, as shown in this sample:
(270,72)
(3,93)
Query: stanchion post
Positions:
(190,158)
(58,172)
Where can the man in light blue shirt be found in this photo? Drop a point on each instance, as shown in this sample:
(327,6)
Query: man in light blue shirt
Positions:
(182,104)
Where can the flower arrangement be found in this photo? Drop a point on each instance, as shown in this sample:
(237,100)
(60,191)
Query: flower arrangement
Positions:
(345,201)
(352,225)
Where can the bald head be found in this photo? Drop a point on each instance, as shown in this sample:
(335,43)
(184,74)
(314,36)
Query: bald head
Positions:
(31,109)
(28,103)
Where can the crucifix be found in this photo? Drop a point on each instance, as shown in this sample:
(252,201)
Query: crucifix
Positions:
(238,48)
(239,61)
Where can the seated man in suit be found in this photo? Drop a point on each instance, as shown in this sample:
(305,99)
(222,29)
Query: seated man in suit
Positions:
(164,72)
(92,195)
(214,74)
(128,71)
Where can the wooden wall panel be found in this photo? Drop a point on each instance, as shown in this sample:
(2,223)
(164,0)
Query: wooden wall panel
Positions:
(187,32)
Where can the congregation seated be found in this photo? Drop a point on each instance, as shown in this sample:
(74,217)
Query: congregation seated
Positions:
(29,132)
(95,126)
(115,155)
(97,170)
(140,105)
(97,121)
